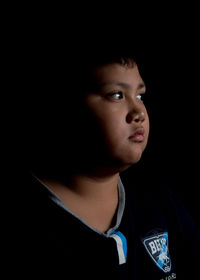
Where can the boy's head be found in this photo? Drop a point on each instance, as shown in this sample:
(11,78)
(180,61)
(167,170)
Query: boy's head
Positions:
(93,116)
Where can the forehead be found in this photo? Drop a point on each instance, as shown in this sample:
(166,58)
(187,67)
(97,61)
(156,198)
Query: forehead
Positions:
(112,74)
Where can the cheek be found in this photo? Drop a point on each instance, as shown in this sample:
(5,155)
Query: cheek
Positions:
(114,129)
(110,121)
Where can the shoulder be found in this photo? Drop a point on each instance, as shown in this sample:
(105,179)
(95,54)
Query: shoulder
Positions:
(155,211)
(157,204)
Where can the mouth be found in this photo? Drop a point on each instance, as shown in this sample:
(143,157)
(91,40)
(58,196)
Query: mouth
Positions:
(138,135)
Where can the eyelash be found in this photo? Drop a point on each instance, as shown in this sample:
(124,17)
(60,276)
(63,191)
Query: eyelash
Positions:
(139,96)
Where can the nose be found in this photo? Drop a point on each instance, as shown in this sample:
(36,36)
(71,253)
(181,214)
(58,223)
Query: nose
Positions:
(136,117)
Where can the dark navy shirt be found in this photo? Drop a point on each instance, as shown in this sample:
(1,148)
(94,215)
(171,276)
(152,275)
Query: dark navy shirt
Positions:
(152,237)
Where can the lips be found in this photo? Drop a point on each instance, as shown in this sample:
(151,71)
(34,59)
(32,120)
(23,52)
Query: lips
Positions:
(138,135)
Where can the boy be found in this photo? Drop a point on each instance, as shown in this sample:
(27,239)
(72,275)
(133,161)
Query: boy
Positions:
(84,221)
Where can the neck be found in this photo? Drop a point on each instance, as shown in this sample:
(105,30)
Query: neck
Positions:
(92,186)
(87,186)
(93,198)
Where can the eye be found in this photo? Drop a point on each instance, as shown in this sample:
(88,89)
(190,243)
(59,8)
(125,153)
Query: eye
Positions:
(140,96)
(116,95)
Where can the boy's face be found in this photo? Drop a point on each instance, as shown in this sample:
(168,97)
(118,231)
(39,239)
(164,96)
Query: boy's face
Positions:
(119,113)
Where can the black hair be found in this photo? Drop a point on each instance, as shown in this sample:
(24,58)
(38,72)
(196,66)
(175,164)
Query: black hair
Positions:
(53,72)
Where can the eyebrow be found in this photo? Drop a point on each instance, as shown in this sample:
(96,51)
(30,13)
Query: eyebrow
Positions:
(124,85)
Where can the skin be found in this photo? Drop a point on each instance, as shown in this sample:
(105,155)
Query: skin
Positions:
(117,111)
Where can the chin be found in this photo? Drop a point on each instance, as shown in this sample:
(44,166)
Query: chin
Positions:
(133,157)
(131,162)
(125,163)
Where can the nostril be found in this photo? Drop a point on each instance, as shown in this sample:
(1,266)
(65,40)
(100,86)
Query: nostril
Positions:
(136,119)
(139,117)
(129,118)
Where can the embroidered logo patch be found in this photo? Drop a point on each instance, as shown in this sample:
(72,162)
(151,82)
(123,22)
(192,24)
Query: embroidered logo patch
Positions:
(157,247)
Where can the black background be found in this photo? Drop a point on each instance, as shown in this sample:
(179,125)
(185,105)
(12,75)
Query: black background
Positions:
(170,68)
(169,64)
